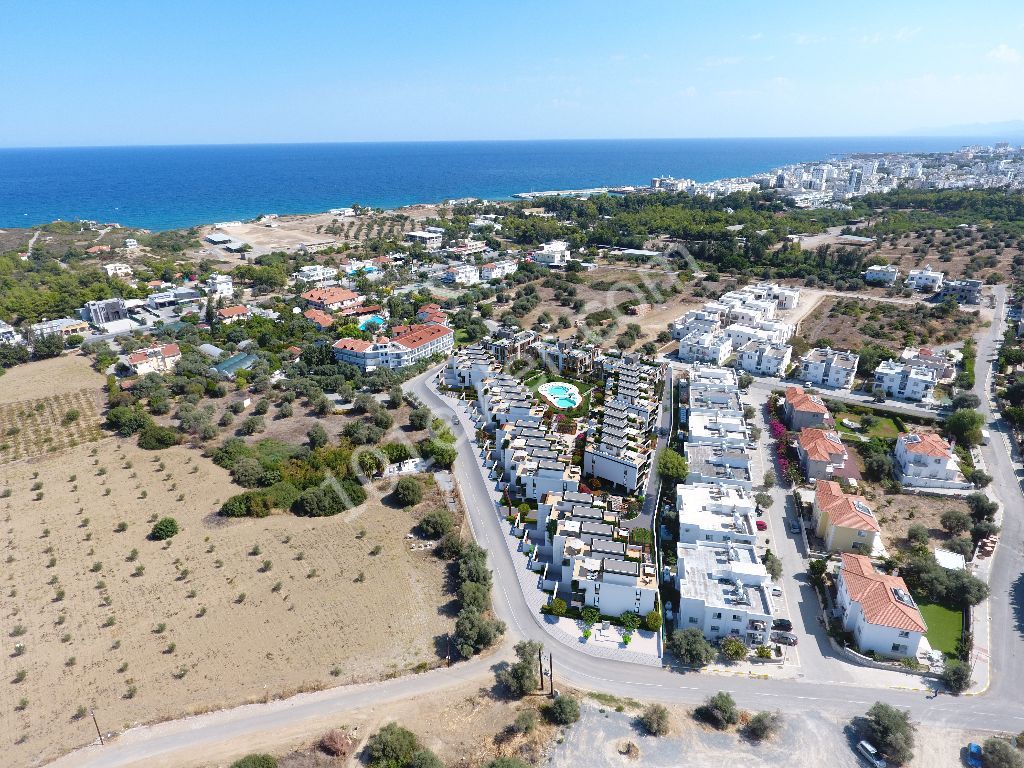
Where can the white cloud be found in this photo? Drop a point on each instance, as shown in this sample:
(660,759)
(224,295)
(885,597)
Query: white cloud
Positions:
(1005,54)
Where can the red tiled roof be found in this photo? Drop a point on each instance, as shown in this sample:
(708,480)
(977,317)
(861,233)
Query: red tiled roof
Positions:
(844,511)
(330,295)
(236,311)
(319,318)
(799,400)
(167,350)
(820,444)
(929,444)
(875,593)
(418,335)
(353,345)
(294,351)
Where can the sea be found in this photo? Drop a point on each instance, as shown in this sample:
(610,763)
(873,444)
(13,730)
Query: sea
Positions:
(168,187)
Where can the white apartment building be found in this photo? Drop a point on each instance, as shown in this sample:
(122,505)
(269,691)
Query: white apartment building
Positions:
(926,460)
(766,331)
(470,366)
(695,321)
(905,381)
(713,348)
(878,609)
(716,513)
(713,377)
(718,465)
(117,269)
(431,241)
(828,367)
(716,429)
(316,275)
(882,274)
(495,270)
(219,285)
(924,279)
(552,255)
(8,335)
(620,452)
(764,358)
(503,399)
(929,358)
(462,274)
(723,592)
(416,343)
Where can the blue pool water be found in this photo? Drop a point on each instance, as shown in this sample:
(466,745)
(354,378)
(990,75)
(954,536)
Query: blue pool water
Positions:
(371,320)
(363,270)
(563,395)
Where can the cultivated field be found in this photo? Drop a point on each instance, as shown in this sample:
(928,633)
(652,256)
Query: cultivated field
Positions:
(96,617)
(57,376)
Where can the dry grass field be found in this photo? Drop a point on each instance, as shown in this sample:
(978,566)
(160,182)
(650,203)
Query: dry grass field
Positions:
(96,616)
(965,258)
(32,428)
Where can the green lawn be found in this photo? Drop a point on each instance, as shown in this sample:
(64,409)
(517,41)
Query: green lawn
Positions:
(943,627)
(884,427)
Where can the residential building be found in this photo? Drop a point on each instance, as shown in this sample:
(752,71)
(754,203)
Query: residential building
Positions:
(117,269)
(319,318)
(924,279)
(317,275)
(713,378)
(715,513)
(509,343)
(905,381)
(926,460)
(613,584)
(552,255)
(694,321)
(465,248)
(234,314)
(332,299)
(535,460)
(878,609)
(64,327)
(104,311)
(882,274)
(621,450)
(409,345)
(568,357)
(431,241)
(219,285)
(218,238)
(432,314)
(821,453)
(718,465)
(712,347)
(827,367)
(717,429)
(713,402)
(843,521)
(469,366)
(462,274)
(8,335)
(159,359)
(172,298)
(494,270)
(764,358)
(307,248)
(131,243)
(929,358)
(801,410)
(767,331)
(723,591)
(963,291)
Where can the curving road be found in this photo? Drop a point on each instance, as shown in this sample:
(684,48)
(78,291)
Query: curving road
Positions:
(196,738)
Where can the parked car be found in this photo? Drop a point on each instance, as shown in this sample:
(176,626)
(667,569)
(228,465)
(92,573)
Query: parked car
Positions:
(761,525)
(974,755)
(784,638)
(794,526)
(784,624)
(869,753)
(776,590)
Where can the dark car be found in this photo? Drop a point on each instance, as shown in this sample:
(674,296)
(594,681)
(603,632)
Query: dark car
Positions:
(784,624)
(784,638)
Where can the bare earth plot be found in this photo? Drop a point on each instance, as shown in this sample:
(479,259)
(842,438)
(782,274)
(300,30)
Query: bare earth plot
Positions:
(45,378)
(228,612)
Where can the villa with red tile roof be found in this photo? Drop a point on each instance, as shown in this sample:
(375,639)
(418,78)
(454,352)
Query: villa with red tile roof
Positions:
(821,452)
(843,521)
(318,318)
(801,410)
(926,460)
(878,609)
(407,346)
(432,314)
(229,315)
(332,299)
(160,359)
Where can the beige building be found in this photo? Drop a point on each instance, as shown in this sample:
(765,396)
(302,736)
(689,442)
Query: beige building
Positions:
(844,522)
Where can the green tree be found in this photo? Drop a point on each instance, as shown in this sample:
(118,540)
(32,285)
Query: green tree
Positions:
(630,621)
(892,732)
(956,675)
(474,632)
(520,678)
(424,758)
(763,725)
(672,465)
(436,523)
(719,711)
(691,647)
(163,529)
(999,753)
(395,396)
(653,620)
(256,761)
(955,521)
(564,710)
(772,564)
(317,436)
(733,649)
(408,491)
(655,719)
(558,607)
(964,426)
(391,747)
(419,418)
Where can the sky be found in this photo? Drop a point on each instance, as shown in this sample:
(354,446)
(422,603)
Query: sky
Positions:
(78,73)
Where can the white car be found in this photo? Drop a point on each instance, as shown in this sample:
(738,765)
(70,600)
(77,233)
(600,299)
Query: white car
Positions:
(869,753)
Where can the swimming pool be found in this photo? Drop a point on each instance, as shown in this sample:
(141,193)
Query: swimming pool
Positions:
(371,320)
(362,270)
(560,394)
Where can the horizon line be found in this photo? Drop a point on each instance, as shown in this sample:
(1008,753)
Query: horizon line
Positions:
(902,136)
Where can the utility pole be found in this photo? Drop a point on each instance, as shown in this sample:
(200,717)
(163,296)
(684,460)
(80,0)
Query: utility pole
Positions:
(551,671)
(540,668)
(93,713)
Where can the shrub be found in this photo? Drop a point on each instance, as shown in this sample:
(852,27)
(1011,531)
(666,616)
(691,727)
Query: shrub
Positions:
(419,418)
(763,725)
(248,504)
(997,753)
(956,675)
(520,678)
(655,720)
(408,492)
(449,547)
(917,534)
(424,758)
(630,621)
(892,732)
(507,762)
(155,438)
(565,710)
(256,761)
(474,632)
(252,425)
(733,649)
(391,747)
(436,523)
(653,620)
(525,721)
(691,647)
(956,521)
(558,607)
(719,711)
(163,529)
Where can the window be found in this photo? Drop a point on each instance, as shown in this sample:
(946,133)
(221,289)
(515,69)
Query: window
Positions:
(735,617)
(717,616)
(904,634)
(896,647)
(714,628)
(862,534)
(693,619)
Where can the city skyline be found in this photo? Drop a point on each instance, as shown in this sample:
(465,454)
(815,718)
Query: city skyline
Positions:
(224,75)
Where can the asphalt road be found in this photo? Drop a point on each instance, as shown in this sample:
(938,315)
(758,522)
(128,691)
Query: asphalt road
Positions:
(997,710)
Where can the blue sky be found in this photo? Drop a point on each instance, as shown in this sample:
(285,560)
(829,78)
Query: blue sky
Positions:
(186,72)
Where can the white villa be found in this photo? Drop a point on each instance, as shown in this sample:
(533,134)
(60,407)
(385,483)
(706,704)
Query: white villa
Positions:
(828,367)
(926,460)
(878,609)
(905,381)
(924,279)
